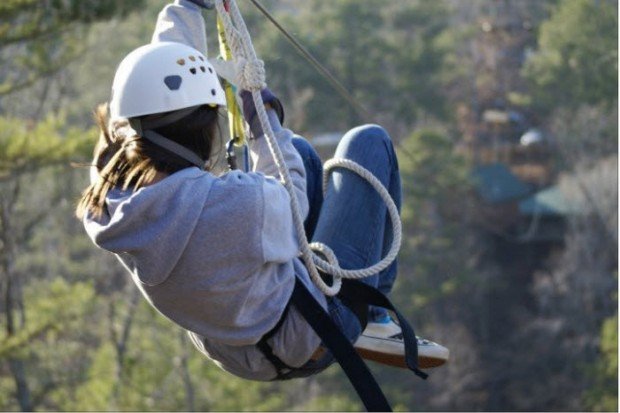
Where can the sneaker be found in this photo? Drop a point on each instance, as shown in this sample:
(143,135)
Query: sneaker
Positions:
(383,342)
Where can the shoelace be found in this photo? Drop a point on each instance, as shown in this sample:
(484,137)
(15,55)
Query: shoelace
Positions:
(399,336)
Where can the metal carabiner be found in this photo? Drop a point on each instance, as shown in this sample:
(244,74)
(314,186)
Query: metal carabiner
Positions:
(231,156)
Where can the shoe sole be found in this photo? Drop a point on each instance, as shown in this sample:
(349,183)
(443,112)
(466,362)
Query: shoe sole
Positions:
(399,361)
(428,356)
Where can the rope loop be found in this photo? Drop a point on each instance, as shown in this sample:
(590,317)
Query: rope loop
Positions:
(393,213)
(331,259)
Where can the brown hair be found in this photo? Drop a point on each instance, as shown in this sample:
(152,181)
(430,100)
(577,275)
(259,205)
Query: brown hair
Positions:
(125,160)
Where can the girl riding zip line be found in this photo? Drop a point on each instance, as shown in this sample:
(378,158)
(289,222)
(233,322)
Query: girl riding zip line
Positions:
(218,255)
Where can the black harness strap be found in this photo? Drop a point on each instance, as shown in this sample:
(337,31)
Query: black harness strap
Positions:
(354,367)
(281,367)
(356,294)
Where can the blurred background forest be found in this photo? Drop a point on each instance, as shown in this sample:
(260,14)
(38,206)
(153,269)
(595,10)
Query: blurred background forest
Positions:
(505,117)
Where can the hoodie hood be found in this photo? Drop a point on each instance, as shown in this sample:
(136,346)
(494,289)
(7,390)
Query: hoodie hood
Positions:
(149,229)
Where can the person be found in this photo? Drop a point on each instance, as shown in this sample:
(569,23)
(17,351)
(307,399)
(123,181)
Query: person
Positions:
(217,254)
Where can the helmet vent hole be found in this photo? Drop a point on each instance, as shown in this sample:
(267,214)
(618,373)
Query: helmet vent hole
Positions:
(210,70)
(202,68)
(193,70)
(201,58)
(213,92)
(181,62)
(192,58)
(173,82)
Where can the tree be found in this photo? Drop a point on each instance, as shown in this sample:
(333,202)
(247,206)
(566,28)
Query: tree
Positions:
(575,295)
(26,151)
(603,396)
(577,58)
(354,58)
(387,64)
(413,59)
(37,38)
(439,264)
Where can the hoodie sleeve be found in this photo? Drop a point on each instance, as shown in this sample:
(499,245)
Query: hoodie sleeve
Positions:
(181,22)
(262,161)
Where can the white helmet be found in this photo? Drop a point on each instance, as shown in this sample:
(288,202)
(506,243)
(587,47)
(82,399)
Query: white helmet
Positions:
(162,77)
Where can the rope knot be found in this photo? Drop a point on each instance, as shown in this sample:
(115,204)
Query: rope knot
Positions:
(251,74)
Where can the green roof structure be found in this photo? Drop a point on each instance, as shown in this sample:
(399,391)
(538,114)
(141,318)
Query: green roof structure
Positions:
(495,183)
(548,202)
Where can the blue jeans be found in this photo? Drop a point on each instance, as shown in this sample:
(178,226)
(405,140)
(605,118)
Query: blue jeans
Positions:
(352,219)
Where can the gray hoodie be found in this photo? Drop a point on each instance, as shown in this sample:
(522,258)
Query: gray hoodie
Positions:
(217,255)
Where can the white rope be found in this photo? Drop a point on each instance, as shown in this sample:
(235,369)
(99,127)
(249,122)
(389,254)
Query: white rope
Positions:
(251,77)
(392,212)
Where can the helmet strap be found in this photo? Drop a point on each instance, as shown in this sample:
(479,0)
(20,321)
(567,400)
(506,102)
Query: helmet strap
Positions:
(174,147)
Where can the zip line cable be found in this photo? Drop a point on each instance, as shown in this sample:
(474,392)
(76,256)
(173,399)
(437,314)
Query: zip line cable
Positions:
(361,110)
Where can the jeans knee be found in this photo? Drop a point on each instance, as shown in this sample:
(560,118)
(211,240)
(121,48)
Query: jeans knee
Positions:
(369,139)
(372,131)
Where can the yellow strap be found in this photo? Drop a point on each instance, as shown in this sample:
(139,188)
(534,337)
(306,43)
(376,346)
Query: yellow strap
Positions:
(235,117)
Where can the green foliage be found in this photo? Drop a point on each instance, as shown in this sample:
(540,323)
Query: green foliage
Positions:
(429,160)
(603,396)
(152,375)
(586,135)
(97,389)
(435,192)
(387,63)
(577,57)
(24,20)
(53,342)
(26,147)
(37,39)
(416,51)
(107,43)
